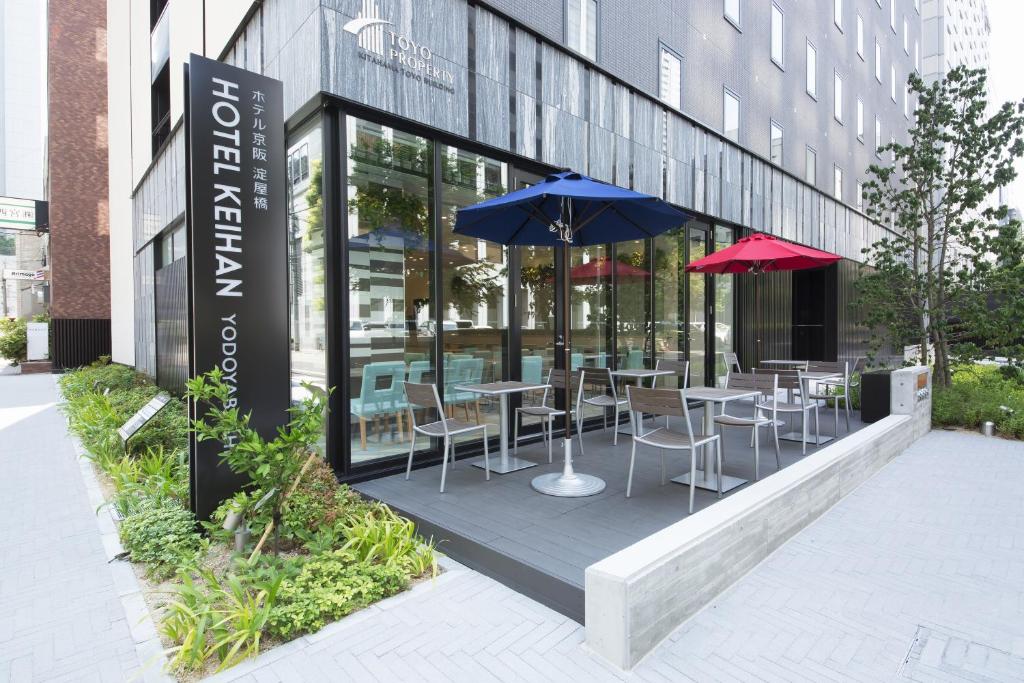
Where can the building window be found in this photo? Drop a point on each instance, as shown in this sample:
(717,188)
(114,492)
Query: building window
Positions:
(860,36)
(172,246)
(298,165)
(892,15)
(732,12)
(812,71)
(837,13)
(581,26)
(892,150)
(878,61)
(917,6)
(860,195)
(778,35)
(878,136)
(917,57)
(837,183)
(810,166)
(892,82)
(837,96)
(671,78)
(776,144)
(906,36)
(906,101)
(731,115)
(160,107)
(860,119)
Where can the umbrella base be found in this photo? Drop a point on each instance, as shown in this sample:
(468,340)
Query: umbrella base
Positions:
(568,486)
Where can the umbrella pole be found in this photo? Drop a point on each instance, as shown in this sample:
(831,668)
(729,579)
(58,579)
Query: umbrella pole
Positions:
(757,319)
(568,484)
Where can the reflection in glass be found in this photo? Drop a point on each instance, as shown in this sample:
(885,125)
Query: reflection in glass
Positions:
(474,274)
(696,317)
(670,299)
(725,328)
(306,309)
(391,323)
(591,284)
(632,295)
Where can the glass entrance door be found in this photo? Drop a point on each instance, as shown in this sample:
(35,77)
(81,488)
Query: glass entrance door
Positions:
(697,306)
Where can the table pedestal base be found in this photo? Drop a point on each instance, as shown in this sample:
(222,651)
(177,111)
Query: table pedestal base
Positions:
(799,437)
(711,482)
(568,485)
(511,464)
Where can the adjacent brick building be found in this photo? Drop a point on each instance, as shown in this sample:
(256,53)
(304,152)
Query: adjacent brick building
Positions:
(77,149)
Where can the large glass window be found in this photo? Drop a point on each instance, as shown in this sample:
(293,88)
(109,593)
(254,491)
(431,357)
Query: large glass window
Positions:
(670,298)
(392,323)
(306,258)
(474,276)
(536,305)
(581,26)
(591,284)
(724,334)
(778,35)
(632,291)
(696,309)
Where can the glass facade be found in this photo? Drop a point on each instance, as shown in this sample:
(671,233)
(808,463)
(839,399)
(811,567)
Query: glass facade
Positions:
(427,305)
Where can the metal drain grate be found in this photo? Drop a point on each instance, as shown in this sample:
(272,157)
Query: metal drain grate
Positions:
(939,655)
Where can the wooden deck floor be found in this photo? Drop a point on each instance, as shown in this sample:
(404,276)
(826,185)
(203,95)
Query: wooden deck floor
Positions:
(541,545)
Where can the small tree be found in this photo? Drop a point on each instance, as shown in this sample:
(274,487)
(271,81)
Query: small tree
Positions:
(946,274)
(273,466)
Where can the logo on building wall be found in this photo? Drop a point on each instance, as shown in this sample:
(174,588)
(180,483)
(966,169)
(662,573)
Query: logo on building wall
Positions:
(388,48)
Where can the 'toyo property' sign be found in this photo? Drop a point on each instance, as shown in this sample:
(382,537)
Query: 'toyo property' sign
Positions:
(235,160)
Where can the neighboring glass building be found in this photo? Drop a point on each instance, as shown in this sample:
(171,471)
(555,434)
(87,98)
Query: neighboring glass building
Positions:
(400,113)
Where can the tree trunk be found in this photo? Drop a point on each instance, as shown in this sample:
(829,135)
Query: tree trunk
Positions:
(941,376)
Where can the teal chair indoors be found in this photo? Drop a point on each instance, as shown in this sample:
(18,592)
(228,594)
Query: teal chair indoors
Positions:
(463,371)
(533,369)
(379,395)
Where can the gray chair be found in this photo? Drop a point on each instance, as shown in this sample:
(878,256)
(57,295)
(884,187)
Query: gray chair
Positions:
(821,391)
(732,361)
(793,382)
(425,396)
(768,385)
(546,413)
(680,370)
(669,402)
(605,396)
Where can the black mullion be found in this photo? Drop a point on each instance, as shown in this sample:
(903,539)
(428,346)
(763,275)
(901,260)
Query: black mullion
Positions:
(709,324)
(335,203)
(613,319)
(436,293)
(649,258)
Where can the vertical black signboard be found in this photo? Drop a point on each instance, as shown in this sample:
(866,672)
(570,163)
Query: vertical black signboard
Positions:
(234,133)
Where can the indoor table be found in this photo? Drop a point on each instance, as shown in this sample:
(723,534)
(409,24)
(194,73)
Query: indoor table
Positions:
(502,390)
(712,395)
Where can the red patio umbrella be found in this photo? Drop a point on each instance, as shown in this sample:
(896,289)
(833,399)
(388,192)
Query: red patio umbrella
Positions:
(761,253)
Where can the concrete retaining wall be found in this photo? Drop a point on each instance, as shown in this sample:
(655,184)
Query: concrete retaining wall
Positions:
(639,595)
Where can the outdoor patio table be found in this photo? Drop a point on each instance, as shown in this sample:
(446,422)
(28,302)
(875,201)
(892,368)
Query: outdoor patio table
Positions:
(639,374)
(502,390)
(711,396)
(783,362)
(812,376)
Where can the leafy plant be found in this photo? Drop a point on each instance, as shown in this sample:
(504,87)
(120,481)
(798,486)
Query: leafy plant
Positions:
(101,376)
(383,537)
(13,339)
(271,465)
(980,393)
(328,588)
(162,535)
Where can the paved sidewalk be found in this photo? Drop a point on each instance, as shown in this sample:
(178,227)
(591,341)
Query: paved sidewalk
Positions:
(916,575)
(61,617)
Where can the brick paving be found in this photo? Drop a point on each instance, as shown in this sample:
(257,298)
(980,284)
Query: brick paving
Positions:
(61,611)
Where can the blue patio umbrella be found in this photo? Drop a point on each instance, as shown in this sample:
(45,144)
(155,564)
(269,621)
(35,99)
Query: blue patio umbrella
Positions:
(567,209)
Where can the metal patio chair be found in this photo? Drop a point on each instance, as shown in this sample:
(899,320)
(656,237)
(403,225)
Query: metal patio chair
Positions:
(732,361)
(768,385)
(546,413)
(425,396)
(669,402)
(605,397)
(681,370)
(821,391)
(796,403)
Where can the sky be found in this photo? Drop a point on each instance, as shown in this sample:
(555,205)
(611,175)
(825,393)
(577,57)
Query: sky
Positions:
(1006,80)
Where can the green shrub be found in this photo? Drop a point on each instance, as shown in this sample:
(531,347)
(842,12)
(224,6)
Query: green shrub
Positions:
(319,502)
(383,537)
(100,376)
(158,475)
(328,588)
(981,393)
(13,339)
(167,430)
(162,535)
